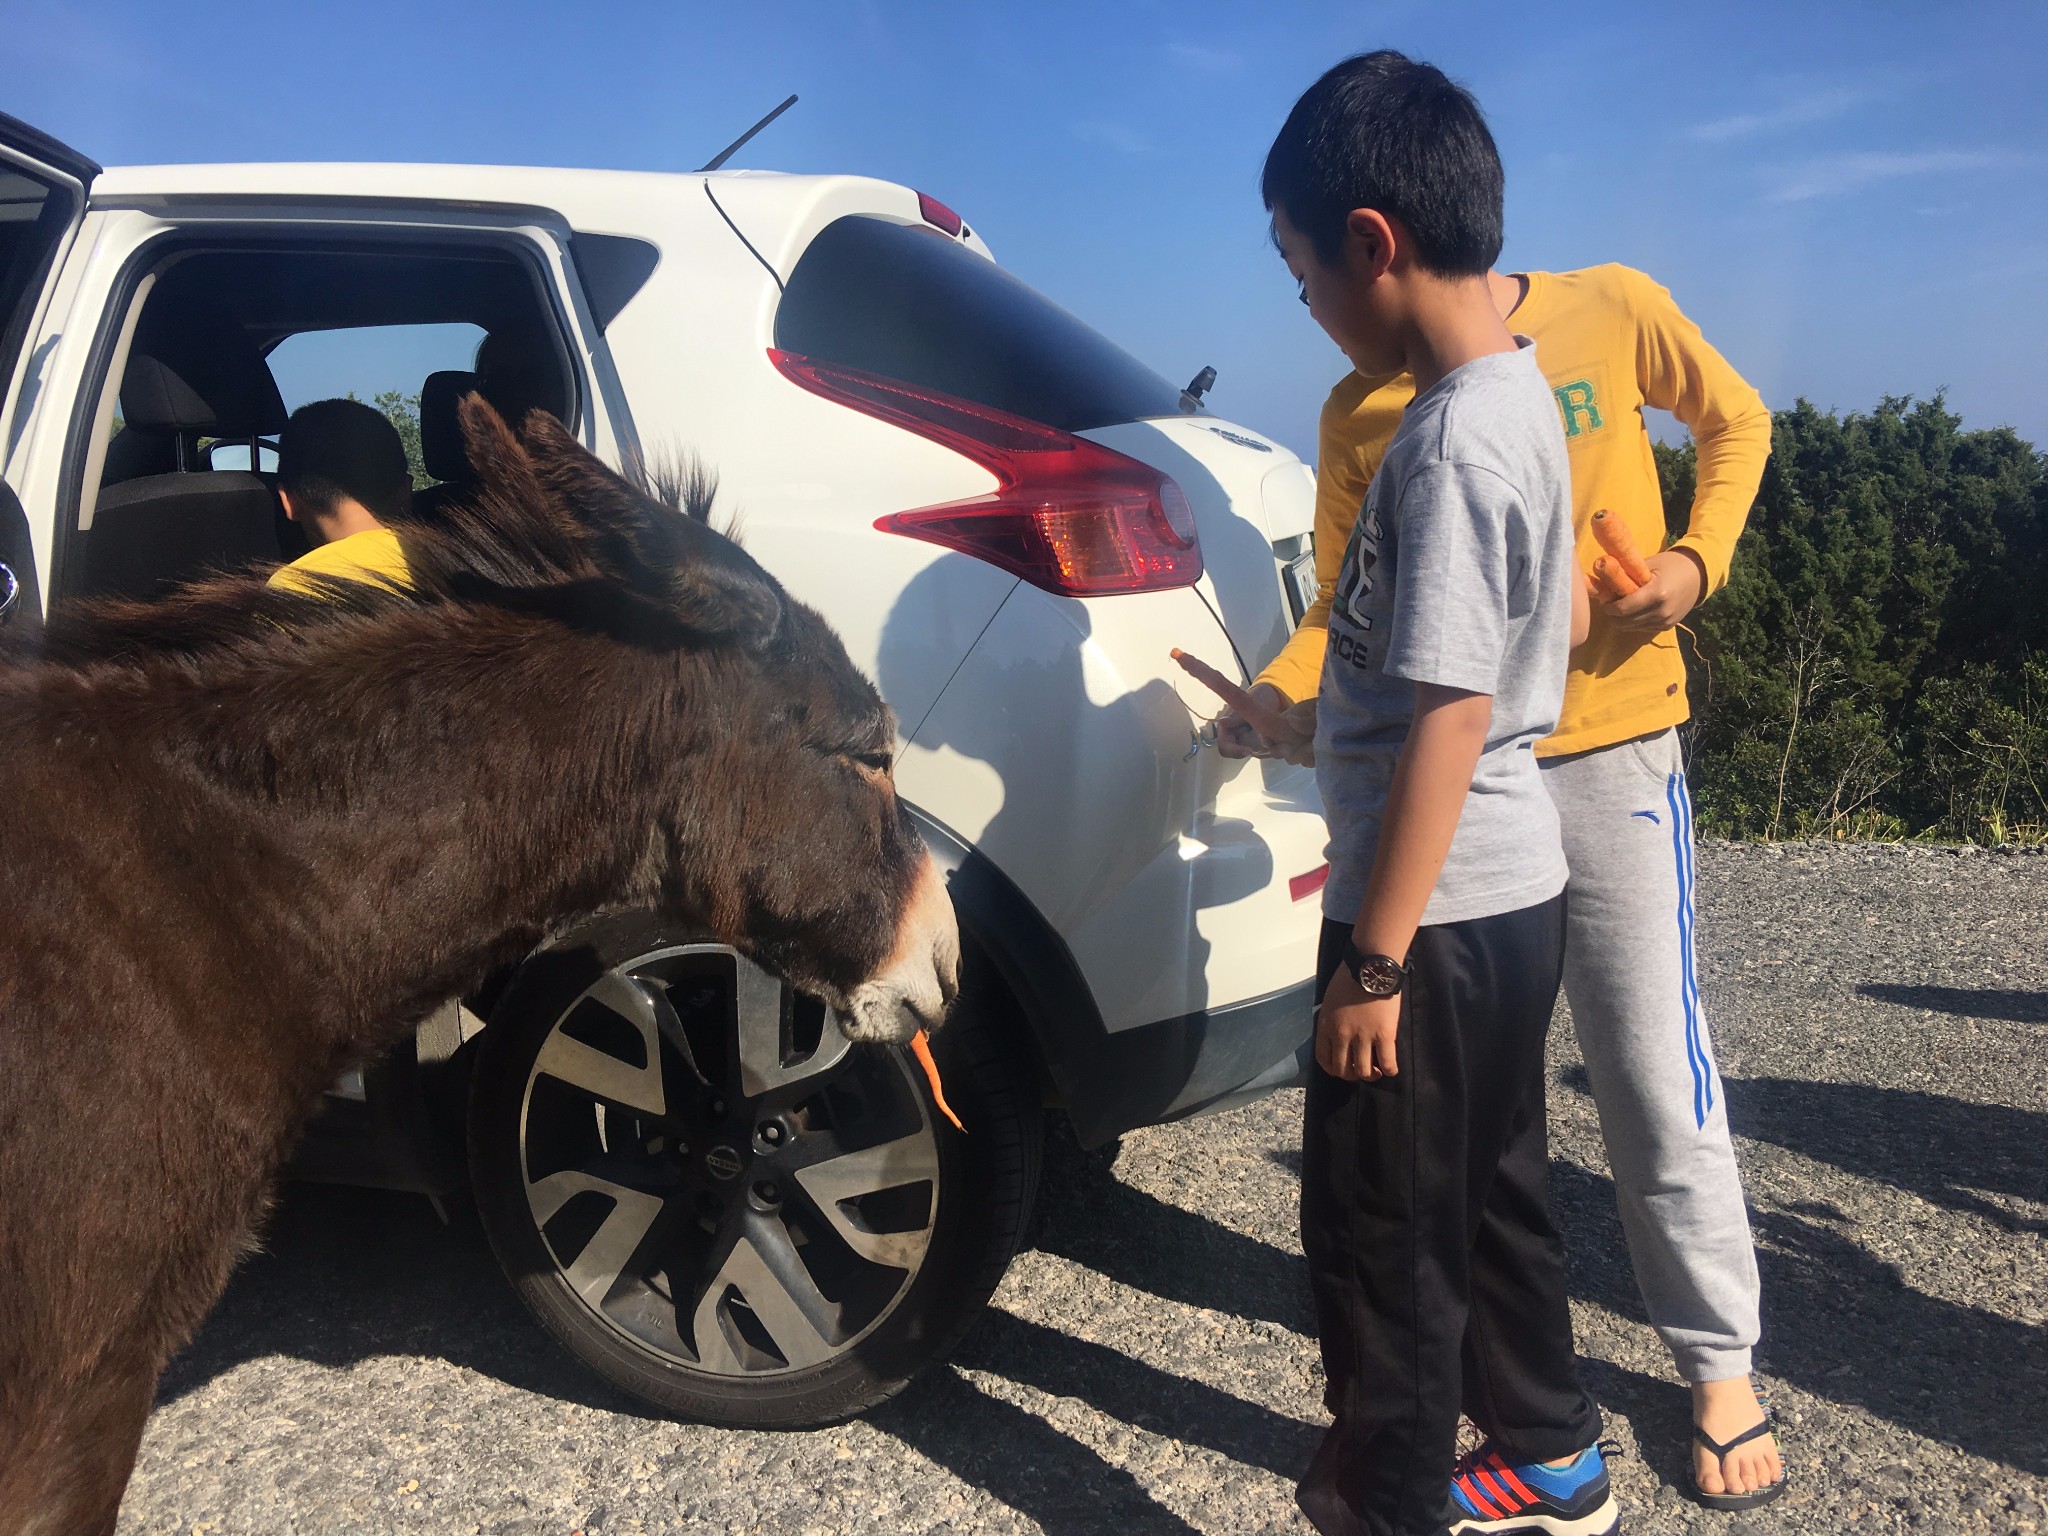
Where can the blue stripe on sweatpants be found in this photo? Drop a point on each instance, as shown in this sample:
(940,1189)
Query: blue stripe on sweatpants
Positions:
(1681,850)
(1692,975)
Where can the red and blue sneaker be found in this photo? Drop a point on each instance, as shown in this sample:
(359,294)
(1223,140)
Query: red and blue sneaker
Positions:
(1491,1493)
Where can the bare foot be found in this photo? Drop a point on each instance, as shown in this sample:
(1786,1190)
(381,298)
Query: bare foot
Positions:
(1724,1409)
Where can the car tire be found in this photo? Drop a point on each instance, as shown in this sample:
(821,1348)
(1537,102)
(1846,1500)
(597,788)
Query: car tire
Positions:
(720,1205)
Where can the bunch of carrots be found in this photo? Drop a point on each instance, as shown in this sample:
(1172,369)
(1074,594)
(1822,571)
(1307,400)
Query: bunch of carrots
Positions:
(1622,569)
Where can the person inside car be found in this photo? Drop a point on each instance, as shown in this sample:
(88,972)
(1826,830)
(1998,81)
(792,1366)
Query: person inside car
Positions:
(342,476)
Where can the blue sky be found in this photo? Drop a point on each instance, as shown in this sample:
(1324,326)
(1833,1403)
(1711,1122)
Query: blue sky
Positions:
(1851,199)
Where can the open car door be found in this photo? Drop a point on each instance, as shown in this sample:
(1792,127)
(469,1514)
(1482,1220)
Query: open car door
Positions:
(43,185)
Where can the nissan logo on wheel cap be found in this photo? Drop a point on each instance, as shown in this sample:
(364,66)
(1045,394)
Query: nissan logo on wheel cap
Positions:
(723,1162)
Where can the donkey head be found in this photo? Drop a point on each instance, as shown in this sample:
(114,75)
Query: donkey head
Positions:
(781,832)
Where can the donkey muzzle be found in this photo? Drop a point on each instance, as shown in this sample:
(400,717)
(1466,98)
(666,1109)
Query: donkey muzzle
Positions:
(921,977)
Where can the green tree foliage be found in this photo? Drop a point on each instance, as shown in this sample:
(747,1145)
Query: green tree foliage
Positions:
(1878,664)
(403,412)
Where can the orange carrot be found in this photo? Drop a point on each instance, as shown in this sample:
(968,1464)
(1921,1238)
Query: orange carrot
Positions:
(1615,538)
(1611,579)
(921,1048)
(1264,720)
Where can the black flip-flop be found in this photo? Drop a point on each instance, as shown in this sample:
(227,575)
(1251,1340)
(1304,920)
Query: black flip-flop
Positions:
(1756,1496)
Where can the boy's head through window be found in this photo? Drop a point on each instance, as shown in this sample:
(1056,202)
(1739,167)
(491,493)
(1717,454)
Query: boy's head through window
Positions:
(341,470)
(1384,166)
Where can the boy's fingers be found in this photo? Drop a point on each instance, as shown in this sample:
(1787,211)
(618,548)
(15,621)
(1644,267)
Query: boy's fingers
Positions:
(1262,717)
(1234,738)
(1383,1054)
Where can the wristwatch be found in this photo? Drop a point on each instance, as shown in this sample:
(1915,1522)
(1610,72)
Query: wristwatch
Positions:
(1377,975)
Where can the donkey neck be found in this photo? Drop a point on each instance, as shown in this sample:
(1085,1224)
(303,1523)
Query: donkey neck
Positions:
(419,801)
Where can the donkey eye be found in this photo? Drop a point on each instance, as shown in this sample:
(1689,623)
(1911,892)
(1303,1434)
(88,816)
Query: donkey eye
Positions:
(873,764)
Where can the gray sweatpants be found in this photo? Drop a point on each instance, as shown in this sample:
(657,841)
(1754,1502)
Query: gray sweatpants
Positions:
(1628,974)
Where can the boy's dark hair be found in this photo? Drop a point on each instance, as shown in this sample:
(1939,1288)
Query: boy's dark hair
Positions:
(1381,131)
(336,448)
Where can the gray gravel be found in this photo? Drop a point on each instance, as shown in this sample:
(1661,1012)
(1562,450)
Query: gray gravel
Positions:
(1882,1016)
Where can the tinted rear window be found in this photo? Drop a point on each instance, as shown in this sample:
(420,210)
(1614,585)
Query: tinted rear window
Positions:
(913,305)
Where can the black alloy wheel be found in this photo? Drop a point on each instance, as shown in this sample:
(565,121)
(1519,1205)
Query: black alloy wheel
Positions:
(718,1202)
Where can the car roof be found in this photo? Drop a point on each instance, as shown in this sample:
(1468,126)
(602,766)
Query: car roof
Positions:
(503,184)
(779,210)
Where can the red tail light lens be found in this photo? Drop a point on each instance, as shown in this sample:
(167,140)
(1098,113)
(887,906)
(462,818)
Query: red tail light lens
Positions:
(939,215)
(1067,515)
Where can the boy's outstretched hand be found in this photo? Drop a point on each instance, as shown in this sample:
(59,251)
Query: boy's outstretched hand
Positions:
(1355,1034)
(1673,591)
(1259,721)
(1293,726)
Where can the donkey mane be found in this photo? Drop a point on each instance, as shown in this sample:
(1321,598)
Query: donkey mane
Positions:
(504,544)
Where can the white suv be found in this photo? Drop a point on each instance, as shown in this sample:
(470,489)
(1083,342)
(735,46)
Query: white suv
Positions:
(1010,521)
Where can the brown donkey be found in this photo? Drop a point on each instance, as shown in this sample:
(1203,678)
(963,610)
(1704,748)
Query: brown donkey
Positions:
(252,838)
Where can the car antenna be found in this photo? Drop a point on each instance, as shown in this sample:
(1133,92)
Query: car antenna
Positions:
(1198,386)
(740,143)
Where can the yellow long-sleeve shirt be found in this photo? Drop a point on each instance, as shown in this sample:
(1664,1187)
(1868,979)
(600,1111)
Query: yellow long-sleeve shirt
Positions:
(1610,341)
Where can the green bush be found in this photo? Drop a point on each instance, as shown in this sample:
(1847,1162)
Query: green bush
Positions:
(1878,664)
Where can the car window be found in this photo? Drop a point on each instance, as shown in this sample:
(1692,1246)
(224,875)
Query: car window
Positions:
(33,217)
(381,365)
(914,305)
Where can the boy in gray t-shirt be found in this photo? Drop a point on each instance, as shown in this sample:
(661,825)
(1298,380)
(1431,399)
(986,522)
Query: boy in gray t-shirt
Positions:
(1438,1277)
(1459,574)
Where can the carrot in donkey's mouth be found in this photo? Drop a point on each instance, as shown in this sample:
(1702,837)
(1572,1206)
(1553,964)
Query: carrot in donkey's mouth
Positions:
(921,1048)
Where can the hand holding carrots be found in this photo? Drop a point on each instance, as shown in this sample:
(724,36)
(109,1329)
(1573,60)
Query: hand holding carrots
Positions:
(1637,595)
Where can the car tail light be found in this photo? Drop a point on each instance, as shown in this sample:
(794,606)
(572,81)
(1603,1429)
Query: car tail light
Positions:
(939,215)
(1067,515)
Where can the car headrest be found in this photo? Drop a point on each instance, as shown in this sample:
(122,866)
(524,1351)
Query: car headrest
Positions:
(441,449)
(194,368)
(155,398)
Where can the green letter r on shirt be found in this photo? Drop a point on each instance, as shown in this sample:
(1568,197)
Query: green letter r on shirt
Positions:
(1575,402)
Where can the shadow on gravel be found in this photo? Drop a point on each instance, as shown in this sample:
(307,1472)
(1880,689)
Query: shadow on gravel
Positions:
(1140,1394)
(1969,1002)
(1840,1324)
(346,1275)
(1941,1149)
(1088,1216)
(1022,1460)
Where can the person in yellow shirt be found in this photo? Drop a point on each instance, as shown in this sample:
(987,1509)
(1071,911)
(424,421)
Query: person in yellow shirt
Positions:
(1610,342)
(342,477)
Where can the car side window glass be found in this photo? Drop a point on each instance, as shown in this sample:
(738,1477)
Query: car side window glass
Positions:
(33,217)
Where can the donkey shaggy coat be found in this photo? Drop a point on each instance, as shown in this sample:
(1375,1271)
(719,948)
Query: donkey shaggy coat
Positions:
(253,838)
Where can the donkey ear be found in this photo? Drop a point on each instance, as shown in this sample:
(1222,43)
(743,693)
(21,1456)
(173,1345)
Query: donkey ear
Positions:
(511,506)
(703,578)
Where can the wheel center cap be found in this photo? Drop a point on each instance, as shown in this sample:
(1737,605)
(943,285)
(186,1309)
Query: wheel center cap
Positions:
(723,1163)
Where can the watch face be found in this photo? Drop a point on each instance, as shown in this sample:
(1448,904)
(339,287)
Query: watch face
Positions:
(1378,975)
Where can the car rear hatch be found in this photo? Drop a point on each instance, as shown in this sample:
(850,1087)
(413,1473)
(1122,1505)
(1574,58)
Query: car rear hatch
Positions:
(913,323)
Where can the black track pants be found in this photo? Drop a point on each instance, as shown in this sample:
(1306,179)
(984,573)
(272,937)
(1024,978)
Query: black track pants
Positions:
(1439,1279)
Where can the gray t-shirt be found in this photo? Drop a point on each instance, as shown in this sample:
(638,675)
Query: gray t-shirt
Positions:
(1458,573)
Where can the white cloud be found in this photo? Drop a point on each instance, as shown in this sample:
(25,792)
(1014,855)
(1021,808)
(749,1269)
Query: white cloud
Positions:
(1116,136)
(1834,175)
(1207,61)
(1815,107)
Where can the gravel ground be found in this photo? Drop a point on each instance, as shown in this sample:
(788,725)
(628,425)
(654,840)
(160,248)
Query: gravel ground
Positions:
(1150,1367)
